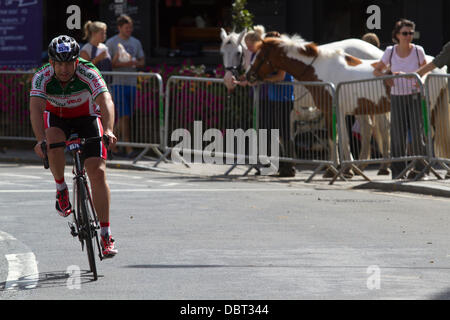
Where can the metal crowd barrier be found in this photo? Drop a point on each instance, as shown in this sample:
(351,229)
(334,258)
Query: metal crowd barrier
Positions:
(308,116)
(206,120)
(396,136)
(437,92)
(14,105)
(304,114)
(291,111)
(139,103)
(139,100)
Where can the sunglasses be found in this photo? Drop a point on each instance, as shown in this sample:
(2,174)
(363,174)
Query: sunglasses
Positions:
(405,33)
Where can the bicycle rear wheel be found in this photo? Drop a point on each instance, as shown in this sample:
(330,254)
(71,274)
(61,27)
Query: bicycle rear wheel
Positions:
(86,226)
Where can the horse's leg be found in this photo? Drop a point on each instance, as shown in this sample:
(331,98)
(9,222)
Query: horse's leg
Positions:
(292,128)
(344,140)
(366,133)
(332,155)
(382,135)
(442,129)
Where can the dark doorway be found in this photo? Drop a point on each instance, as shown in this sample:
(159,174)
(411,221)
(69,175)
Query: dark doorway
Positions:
(201,14)
(338,20)
(55,18)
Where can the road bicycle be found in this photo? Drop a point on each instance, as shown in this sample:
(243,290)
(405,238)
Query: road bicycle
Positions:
(85,223)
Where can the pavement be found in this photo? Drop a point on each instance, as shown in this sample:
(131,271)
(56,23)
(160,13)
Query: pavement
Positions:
(430,185)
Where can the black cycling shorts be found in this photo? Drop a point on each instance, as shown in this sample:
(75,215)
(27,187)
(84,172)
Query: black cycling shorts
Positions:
(85,127)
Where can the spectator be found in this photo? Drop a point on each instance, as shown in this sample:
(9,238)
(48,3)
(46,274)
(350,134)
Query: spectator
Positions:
(440,61)
(406,107)
(95,50)
(275,114)
(128,55)
(275,110)
(372,38)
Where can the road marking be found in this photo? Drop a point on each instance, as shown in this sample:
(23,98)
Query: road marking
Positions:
(170,184)
(21,176)
(6,237)
(405,195)
(171,190)
(22,271)
(114,183)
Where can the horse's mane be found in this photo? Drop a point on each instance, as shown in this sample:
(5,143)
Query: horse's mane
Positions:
(297,48)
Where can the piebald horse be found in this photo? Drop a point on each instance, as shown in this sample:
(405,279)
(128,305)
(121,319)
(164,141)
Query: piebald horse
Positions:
(236,59)
(308,62)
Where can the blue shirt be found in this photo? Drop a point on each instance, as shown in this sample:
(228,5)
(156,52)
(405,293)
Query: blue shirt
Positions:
(278,92)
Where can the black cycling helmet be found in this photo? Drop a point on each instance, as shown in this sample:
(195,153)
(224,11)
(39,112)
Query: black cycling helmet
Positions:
(64,49)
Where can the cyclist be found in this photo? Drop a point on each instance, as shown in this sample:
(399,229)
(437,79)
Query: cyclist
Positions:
(68,94)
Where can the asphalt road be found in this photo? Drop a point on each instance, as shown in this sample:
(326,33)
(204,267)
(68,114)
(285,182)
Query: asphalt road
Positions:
(191,238)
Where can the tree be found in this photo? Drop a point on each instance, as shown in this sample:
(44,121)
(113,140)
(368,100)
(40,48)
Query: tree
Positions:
(242,18)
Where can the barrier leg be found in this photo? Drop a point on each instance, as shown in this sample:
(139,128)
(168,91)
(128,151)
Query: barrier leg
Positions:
(359,172)
(143,153)
(231,169)
(318,169)
(338,174)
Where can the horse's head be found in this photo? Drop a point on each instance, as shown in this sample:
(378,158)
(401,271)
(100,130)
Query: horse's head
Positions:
(293,55)
(232,50)
(262,65)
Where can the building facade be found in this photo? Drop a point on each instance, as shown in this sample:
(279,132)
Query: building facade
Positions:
(173,30)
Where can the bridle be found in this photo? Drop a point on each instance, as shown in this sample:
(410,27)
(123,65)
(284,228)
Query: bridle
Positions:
(261,62)
(235,70)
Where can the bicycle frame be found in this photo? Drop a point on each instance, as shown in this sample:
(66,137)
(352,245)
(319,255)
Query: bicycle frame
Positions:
(82,199)
(79,180)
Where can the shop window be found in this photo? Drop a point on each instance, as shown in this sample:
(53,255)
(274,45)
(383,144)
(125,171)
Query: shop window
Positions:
(192,27)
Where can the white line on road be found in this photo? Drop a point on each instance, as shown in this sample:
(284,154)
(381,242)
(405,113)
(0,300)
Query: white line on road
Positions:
(21,176)
(171,190)
(6,237)
(22,271)
(170,184)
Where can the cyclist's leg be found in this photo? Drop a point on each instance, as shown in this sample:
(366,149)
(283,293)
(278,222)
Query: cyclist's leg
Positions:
(101,196)
(56,131)
(95,164)
(96,170)
(94,157)
(56,157)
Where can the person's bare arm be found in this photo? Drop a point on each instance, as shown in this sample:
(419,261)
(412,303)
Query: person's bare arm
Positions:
(379,69)
(105,101)
(37,107)
(279,76)
(130,64)
(85,55)
(425,69)
(140,63)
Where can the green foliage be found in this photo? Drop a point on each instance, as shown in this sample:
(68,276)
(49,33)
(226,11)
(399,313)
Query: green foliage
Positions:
(242,18)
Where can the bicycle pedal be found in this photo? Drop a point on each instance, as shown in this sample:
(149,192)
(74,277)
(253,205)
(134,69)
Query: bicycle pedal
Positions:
(73,230)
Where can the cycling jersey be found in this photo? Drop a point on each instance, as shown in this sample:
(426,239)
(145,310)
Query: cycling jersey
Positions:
(77,98)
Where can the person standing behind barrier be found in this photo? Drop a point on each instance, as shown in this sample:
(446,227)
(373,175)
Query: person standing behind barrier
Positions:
(372,38)
(128,55)
(275,108)
(95,50)
(406,107)
(276,115)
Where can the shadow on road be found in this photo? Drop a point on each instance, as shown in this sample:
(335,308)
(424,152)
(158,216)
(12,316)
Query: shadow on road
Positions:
(53,279)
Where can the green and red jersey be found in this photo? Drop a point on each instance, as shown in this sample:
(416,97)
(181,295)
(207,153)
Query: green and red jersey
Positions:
(77,99)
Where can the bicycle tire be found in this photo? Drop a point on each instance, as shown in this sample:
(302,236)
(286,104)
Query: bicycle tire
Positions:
(88,236)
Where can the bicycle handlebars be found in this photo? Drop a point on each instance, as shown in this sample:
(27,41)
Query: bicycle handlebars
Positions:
(72,139)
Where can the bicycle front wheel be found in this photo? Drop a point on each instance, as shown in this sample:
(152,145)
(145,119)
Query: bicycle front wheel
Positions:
(88,233)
